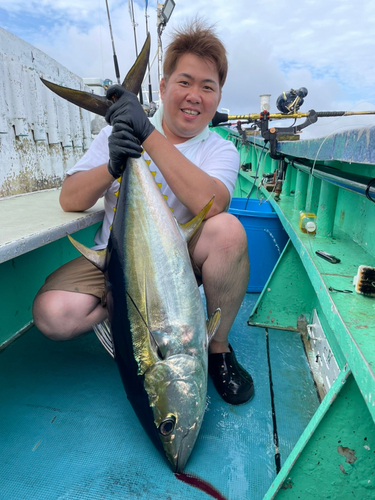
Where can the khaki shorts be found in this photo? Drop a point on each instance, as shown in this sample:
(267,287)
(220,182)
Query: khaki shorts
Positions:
(80,276)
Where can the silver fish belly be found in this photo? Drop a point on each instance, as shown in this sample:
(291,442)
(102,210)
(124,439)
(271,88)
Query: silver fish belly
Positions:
(168,324)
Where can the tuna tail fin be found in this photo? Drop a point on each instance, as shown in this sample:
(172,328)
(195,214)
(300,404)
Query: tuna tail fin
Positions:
(134,78)
(104,334)
(96,257)
(213,324)
(91,102)
(99,104)
(189,228)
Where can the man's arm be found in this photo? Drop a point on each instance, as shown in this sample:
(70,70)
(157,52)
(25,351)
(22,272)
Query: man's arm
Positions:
(82,190)
(189,183)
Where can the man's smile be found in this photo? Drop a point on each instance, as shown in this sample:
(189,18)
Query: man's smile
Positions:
(190,112)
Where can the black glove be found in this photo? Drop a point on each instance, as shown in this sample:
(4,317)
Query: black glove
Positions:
(122,145)
(128,110)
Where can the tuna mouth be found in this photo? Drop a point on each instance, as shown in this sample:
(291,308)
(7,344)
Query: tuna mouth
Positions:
(190,112)
(181,460)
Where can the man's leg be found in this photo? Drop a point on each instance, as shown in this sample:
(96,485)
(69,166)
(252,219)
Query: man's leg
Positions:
(71,300)
(221,254)
(62,315)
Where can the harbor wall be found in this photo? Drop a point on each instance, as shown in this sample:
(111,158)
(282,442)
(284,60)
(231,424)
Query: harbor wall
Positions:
(41,135)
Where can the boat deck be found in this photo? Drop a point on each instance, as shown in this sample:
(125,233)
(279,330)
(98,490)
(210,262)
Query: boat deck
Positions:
(68,432)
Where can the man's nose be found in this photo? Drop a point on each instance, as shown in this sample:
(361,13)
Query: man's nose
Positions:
(194,95)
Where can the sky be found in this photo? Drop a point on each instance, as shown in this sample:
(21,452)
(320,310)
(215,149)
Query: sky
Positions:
(273,46)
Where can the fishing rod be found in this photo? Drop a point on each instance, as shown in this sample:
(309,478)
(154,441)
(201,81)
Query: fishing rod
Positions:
(253,117)
(117,71)
(134,24)
(288,103)
(148,64)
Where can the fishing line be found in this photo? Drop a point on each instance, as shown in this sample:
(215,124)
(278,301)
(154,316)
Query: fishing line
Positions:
(256,174)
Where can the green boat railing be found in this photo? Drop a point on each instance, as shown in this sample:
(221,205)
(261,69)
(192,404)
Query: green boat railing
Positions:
(303,287)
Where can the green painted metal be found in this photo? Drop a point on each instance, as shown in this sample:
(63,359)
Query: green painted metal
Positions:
(350,316)
(327,208)
(307,435)
(339,462)
(287,295)
(243,185)
(21,278)
(355,216)
(287,182)
(312,198)
(301,191)
(345,229)
(293,182)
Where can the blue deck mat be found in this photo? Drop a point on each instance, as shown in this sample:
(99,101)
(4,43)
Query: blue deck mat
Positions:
(68,432)
(295,403)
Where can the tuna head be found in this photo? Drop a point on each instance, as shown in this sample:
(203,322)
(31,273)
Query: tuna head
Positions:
(177,389)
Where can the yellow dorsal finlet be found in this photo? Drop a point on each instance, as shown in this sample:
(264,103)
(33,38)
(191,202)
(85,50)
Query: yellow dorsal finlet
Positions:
(159,184)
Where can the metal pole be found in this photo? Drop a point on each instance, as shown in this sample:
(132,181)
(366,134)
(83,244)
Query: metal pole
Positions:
(351,182)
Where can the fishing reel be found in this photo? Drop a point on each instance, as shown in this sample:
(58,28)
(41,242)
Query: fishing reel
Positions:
(289,103)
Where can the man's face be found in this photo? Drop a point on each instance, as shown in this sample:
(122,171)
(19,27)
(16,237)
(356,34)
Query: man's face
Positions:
(190,98)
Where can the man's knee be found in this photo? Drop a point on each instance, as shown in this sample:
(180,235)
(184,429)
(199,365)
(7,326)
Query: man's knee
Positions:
(229,233)
(58,314)
(48,314)
(223,239)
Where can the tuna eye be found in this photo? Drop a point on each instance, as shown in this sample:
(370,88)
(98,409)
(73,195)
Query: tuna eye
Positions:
(167,426)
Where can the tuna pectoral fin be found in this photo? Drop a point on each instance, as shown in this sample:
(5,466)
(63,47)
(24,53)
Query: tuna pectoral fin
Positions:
(96,257)
(104,334)
(213,324)
(190,227)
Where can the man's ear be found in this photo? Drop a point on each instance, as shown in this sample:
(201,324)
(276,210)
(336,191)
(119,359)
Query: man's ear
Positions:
(162,88)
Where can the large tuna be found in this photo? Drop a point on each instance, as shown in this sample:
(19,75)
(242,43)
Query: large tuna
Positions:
(156,330)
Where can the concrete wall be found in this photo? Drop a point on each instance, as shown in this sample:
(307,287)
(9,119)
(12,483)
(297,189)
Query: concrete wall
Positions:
(41,135)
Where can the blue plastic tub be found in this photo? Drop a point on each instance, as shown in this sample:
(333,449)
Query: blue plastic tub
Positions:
(266,238)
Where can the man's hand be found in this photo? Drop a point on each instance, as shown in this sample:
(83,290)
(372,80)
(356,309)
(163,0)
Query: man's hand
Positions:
(128,110)
(122,145)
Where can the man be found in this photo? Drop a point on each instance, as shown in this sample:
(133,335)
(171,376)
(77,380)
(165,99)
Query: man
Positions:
(191,164)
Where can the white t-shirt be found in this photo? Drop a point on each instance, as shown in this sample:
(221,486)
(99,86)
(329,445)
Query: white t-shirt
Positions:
(214,155)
